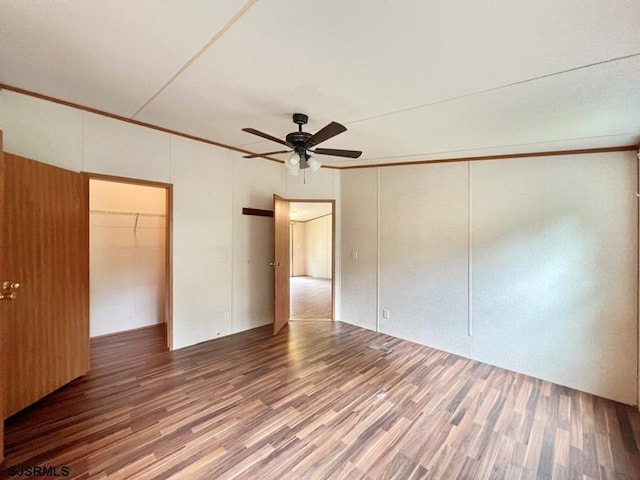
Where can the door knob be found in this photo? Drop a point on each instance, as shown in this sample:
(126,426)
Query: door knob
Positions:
(8,288)
(275,264)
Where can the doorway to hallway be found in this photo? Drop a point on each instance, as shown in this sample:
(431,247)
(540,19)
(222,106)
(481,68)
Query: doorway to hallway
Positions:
(311,274)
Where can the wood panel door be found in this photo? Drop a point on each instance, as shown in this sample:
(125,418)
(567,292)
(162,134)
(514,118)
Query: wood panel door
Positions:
(281,262)
(45,247)
(2,320)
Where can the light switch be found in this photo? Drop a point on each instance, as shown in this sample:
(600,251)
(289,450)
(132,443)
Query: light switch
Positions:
(354,255)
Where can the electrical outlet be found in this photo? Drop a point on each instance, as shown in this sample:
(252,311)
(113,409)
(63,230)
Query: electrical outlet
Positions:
(385,313)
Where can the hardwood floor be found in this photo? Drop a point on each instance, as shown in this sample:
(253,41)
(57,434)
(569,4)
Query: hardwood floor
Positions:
(310,298)
(316,402)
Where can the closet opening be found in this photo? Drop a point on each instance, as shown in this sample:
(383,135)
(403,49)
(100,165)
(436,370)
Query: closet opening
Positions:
(129,256)
(312,260)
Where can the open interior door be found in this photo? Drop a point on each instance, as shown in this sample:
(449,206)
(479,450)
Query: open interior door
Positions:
(281,262)
(44,272)
(2,319)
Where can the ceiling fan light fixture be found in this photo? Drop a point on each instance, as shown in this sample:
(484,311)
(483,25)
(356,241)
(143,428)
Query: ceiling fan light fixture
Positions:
(293,161)
(293,171)
(313,163)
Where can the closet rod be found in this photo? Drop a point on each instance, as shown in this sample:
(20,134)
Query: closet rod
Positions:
(108,212)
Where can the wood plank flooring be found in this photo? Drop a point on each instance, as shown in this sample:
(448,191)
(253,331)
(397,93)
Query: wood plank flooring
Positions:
(316,402)
(310,298)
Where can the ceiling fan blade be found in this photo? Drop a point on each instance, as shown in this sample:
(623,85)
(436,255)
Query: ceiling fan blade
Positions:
(254,155)
(338,153)
(325,133)
(265,135)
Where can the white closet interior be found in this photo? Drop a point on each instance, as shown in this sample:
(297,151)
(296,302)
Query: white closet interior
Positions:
(127,256)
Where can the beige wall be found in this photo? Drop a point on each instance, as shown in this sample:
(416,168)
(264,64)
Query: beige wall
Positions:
(311,247)
(423,254)
(528,264)
(127,256)
(318,246)
(298,249)
(360,247)
(222,281)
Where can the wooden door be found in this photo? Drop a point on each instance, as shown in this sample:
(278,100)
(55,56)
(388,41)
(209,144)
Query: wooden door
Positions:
(2,319)
(281,262)
(45,247)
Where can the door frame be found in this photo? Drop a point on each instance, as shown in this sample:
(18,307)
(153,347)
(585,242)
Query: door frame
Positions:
(168,187)
(333,246)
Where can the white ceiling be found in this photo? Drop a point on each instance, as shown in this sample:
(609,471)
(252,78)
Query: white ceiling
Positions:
(411,79)
(305,211)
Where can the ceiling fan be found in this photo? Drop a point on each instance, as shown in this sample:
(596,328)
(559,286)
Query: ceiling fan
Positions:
(301,144)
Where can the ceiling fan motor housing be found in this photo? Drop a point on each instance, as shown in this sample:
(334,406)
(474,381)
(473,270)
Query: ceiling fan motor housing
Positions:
(298,139)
